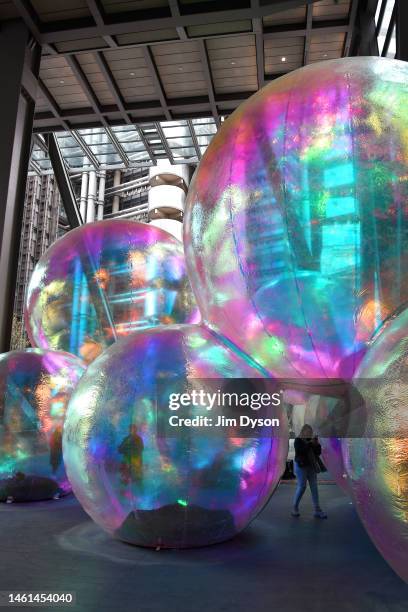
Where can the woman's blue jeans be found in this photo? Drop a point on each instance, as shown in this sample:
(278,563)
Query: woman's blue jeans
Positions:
(305,475)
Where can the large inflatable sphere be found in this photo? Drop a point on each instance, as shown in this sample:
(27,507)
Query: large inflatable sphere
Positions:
(296,225)
(333,459)
(333,415)
(103,281)
(377,463)
(152,484)
(35,387)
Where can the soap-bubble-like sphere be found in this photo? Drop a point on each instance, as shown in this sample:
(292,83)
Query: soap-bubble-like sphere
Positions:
(377,464)
(172,487)
(330,408)
(105,280)
(35,386)
(333,458)
(296,224)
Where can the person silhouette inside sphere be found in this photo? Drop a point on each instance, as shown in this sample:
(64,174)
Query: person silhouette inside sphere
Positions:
(131,448)
(307,466)
(56,449)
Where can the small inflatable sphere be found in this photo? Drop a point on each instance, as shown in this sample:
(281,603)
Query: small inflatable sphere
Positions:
(377,464)
(105,280)
(35,388)
(296,220)
(155,487)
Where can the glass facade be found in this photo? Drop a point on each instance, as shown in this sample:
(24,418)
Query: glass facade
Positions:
(130,146)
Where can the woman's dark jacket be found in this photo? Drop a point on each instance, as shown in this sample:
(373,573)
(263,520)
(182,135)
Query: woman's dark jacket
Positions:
(303,446)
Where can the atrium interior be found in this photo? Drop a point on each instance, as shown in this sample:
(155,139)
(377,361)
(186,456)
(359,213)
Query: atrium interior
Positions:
(108,107)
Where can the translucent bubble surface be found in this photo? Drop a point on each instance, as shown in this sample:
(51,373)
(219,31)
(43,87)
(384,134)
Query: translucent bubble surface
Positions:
(35,388)
(103,281)
(296,225)
(181,488)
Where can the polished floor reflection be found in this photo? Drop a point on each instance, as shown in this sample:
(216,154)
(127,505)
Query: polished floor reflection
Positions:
(279,563)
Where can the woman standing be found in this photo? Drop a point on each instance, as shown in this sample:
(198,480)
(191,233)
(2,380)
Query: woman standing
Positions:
(307,453)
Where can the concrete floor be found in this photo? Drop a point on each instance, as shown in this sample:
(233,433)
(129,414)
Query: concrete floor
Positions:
(278,564)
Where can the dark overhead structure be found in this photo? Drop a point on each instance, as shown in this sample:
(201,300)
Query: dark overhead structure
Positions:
(111,62)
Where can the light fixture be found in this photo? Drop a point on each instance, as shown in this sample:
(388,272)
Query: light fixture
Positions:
(283,59)
(62,82)
(132,73)
(232,63)
(180,67)
(325,55)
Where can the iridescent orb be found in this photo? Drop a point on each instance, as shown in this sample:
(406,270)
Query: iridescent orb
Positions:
(330,421)
(296,225)
(377,463)
(103,281)
(35,388)
(152,484)
(333,459)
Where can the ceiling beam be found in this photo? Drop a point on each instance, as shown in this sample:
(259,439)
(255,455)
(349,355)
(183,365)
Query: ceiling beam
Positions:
(32,21)
(40,142)
(55,109)
(113,86)
(131,22)
(36,167)
(87,151)
(29,16)
(121,151)
(184,107)
(29,82)
(257,27)
(135,24)
(97,12)
(164,142)
(86,87)
(154,74)
(308,36)
(175,12)
(205,63)
(352,21)
(194,138)
(322,27)
(146,144)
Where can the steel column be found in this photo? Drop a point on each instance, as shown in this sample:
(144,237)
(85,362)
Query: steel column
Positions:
(16,122)
(101,194)
(90,210)
(364,39)
(402,30)
(116,199)
(84,194)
